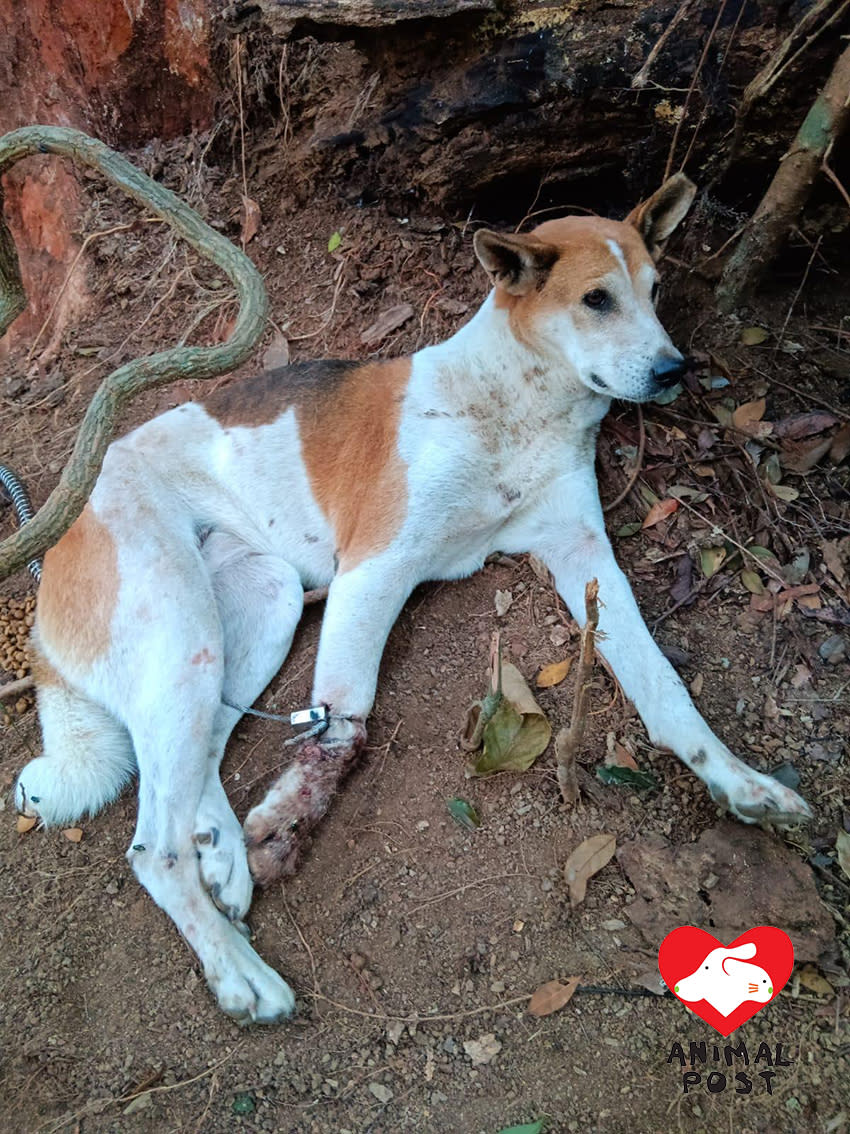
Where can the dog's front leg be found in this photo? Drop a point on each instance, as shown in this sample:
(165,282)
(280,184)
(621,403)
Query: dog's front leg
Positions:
(363,603)
(570,538)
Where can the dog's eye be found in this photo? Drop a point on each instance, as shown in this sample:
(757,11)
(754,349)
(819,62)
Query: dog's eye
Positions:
(598,299)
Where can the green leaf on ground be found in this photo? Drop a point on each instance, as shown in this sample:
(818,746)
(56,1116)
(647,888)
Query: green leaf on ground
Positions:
(710,559)
(629,529)
(464,813)
(517,732)
(527,1128)
(626,777)
(334,242)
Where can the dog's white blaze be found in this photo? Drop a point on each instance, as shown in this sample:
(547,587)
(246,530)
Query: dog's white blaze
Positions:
(617,252)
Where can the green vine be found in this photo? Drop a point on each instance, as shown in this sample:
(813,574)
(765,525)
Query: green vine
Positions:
(68,498)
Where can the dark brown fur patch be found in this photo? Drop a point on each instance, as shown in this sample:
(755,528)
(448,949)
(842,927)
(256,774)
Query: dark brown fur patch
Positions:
(79,590)
(262,399)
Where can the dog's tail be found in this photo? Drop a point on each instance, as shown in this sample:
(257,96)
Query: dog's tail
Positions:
(88,755)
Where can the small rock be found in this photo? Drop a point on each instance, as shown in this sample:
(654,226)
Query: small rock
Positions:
(140,1102)
(422,825)
(382,1094)
(503,601)
(482,1050)
(833,650)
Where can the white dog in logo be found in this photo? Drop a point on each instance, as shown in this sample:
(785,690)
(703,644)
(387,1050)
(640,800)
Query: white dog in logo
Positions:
(725,982)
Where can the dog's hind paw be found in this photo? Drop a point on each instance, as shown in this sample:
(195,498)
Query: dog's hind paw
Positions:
(246,988)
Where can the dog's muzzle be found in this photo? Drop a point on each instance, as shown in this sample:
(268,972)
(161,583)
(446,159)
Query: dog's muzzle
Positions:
(668,372)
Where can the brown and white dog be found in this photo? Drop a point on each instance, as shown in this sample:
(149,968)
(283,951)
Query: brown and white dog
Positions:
(175,596)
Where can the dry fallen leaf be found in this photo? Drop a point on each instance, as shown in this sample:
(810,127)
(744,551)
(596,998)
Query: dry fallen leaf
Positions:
(588,858)
(517,732)
(840,445)
(747,416)
(752,582)
(811,979)
(783,491)
(752,336)
(553,674)
(620,757)
(549,997)
(660,511)
(503,600)
(25,823)
(73,834)
(836,556)
(842,848)
(251,217)
(386,323)
(277,353)
(710,559)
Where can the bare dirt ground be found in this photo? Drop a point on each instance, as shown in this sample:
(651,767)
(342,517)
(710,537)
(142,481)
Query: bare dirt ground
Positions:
(405,935)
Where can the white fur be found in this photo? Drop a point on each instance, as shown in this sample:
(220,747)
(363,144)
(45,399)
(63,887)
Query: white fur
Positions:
(217,530)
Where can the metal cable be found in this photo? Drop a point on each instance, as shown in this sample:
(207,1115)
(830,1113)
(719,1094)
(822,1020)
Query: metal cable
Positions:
(23,509)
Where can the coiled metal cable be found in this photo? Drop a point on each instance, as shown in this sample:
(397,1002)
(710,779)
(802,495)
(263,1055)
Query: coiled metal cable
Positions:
(23,509)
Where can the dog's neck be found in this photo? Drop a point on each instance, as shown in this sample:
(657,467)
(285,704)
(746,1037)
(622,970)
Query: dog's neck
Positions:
(484,364)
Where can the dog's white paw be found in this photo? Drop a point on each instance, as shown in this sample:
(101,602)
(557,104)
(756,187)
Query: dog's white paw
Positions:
(223,863)
(754,797)
(246,988)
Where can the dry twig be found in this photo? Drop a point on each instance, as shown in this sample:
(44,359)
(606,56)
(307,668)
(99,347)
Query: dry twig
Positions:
(569,740)
(15,688)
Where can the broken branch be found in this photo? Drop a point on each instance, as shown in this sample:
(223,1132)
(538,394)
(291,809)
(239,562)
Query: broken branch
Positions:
(789,191)
(569,740)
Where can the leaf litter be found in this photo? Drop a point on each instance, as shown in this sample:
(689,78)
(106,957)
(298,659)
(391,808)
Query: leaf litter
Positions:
(552,996)
(587,859)
(507,729)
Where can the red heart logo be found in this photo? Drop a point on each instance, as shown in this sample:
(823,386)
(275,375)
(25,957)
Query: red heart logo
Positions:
(726,984)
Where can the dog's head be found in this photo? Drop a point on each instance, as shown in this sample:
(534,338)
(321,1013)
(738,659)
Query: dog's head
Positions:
(581,291)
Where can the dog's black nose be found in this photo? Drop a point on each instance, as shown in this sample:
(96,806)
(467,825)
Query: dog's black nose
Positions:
(668,372)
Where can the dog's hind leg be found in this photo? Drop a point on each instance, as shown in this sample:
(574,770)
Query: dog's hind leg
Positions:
(172,719)
(259,599)
(87,757)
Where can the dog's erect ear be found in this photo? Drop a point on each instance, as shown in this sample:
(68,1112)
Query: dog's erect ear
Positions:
(516,262)
(661,213)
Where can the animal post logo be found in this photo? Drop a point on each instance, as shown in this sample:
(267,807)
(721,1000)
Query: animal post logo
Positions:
(726,985)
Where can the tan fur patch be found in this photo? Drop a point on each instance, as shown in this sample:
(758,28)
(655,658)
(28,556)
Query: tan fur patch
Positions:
(43,673)
(78,592)
(348,415)
(350,450)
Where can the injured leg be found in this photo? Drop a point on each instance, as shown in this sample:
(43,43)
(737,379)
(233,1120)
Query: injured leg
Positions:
(277,831)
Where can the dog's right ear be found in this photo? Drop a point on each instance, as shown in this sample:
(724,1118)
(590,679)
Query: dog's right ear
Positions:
(516,262)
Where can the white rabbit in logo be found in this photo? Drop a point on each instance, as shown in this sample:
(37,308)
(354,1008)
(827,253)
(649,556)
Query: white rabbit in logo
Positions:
(726,982)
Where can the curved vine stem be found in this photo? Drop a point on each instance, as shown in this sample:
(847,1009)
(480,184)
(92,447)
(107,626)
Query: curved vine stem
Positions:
(68,498)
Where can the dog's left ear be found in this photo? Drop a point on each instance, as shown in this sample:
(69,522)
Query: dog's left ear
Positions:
(658,216)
